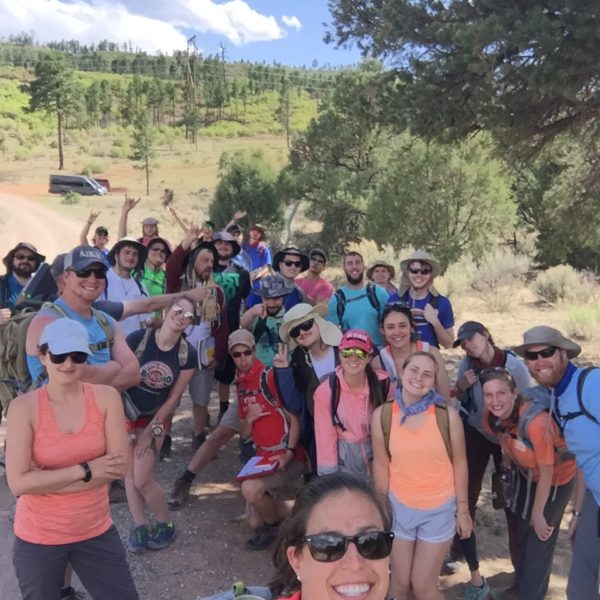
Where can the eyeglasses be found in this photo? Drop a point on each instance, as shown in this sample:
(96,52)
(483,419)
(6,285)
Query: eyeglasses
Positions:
(76,357)
(178,311)
(424,271)
(28,257)
(85,273)
(329,547)
(292,263)
(545,353)
(358,352)
(158,249)
(242,353)
(306,326)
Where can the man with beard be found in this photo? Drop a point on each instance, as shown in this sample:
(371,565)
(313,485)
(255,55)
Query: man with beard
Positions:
(289,263)
(21,263)
(186,270)
(358,304)
(571,394)
(127,258)
(431,311)
(264,319)
(235,283)
(316,289)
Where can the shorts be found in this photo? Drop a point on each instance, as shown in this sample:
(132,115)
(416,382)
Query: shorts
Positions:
(226,374)
(201,386)
(231,418)
(435,525)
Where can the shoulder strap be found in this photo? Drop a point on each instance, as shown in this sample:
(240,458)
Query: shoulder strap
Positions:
(386,423)
(139,351)
(372,296)
(334,385)
(443,423)
(259,329)
(532,410)
(580,382)
(107,329)
(341,305)
(434,302)
(265,389)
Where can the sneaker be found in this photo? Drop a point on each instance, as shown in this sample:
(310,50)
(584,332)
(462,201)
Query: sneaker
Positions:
(116,491)
(198,440)
(138,540)
(165,449)
(263,537)
(70,593)
(161,535)
(477,593)
(179,494)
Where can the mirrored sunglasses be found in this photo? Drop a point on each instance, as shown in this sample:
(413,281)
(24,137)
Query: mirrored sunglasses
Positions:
(358,352)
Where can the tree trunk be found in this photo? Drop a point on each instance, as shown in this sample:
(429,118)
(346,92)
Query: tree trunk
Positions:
(147,177)
(288,222)
(61,156)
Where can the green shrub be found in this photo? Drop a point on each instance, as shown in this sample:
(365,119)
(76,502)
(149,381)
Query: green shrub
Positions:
(92,168)
(70,198)
(564,284)
(22,153)
(582,322)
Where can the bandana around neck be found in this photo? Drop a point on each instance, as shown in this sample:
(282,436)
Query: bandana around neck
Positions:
(431,397)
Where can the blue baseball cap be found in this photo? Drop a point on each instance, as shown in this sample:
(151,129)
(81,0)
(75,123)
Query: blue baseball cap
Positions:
(82,257)
(65,335)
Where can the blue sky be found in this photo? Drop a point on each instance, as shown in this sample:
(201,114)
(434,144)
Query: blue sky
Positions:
(286,31)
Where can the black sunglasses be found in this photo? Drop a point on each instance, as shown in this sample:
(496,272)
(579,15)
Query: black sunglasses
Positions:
(292,263)
(424,271)
(85,273)
(76,357)
(545,353)
(27,257)
(242,353)
(329,547)
(306,326)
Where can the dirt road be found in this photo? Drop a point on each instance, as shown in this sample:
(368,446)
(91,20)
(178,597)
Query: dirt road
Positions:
(27,220)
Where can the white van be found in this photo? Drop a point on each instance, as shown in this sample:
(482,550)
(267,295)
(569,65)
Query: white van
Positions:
(86,186)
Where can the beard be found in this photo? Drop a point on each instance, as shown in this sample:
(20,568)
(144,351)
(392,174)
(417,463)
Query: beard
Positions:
(355,280)
(21,272)
(273,310)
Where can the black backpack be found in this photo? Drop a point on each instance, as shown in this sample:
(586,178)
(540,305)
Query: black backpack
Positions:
(583,411)
(370,293)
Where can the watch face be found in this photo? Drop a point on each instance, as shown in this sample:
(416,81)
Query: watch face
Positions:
(157,429)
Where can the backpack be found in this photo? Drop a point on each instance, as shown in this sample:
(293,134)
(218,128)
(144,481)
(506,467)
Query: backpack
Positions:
(370,293)
(441,418)
(260,329)
(583,411)
(182,352)
(14,374)
(334,386)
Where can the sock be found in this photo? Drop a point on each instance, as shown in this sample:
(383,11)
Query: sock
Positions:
(223,406)
(188,476)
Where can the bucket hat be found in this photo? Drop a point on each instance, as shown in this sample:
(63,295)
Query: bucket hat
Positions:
(292,250)
(163,242)
(381,263)
(7,260)
(129,241)
(273,286)
(225,236)
(420,256)
(303,312)
(547,336)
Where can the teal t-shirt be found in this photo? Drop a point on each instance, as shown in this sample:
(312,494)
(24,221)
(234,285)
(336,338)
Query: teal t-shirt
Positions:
(268,338)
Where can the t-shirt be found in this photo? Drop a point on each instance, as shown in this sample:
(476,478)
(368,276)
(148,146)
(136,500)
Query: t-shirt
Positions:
(235,283)
(359,313)
(315,290)
(154,281)
(95,333)
(114,309)
(159,370)
(121,289)
(325,365)
(266,344)
(424,329)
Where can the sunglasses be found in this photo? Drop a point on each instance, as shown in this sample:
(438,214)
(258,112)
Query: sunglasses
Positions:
(242,353)
(545,353)
(85,273)
(76,357)
(306,326)
(28,257)
(358,352)
(329,547)
(292,263)
(424,271)
(178,311)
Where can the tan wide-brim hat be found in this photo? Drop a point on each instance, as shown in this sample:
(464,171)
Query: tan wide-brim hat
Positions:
(381,263)
(420,256)
(547,336)
(330,334)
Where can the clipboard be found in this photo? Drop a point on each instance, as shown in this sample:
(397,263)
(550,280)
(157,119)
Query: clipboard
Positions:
(257,466)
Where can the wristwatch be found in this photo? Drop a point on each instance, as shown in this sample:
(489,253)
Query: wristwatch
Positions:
(157,429)
(88,472)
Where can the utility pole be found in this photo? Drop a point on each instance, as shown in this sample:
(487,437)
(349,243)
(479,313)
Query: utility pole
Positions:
(191,117)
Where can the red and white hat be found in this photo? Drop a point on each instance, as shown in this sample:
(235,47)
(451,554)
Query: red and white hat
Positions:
(356,338)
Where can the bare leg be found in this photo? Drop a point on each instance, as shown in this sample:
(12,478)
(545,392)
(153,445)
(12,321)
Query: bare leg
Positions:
(135,500)
(255,494)
(427,562)
(219,437)
(401,566)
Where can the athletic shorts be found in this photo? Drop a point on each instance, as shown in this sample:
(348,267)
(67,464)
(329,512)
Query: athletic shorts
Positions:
(435,525)
(230,418)
(201,386)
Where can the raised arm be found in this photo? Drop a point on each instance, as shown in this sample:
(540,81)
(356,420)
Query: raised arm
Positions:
(83,236)
(128,205)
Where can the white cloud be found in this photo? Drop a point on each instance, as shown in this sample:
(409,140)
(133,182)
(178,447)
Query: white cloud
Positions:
(151,25)
(291,22)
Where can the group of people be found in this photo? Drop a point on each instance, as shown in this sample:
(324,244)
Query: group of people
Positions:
(342,400)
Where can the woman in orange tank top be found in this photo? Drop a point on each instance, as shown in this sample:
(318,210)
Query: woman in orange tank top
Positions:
(421,465)
(65,443)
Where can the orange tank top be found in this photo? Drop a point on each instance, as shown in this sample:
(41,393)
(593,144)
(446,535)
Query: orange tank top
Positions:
(421,474)
(53,519)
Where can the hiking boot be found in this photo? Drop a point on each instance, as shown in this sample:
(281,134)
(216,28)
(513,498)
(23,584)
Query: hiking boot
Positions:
(161,535)
(165,449)
(116,491)
(179,494)
(477,593)
(138,540)
(263,537)
(70,593)
(198,440)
